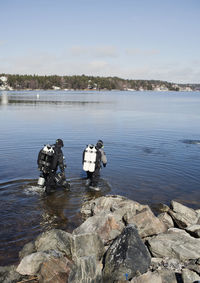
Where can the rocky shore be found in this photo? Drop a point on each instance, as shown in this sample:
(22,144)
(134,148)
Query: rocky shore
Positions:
(120,240)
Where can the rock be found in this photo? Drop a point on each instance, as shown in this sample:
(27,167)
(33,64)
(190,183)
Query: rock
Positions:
(30,264)
(56,270)
(107,225)
(147,223)
(182,215)
(28,249)
(166,219)
(55,240)
(175,243)
(87,245)
(172,264)
(168,276)
(126,255)
(194,267)
(149,277)
(109,204)
(8,274)
(194,230)
(189,276)
(88,270)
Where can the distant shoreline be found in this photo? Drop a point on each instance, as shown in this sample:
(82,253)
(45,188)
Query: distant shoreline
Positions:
(88,83)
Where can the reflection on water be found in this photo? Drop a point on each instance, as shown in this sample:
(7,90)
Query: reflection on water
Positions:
(4,98)
(151,141)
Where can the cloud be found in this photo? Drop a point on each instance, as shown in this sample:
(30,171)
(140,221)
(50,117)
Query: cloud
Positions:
(50,64)
(98,51)
(142,52)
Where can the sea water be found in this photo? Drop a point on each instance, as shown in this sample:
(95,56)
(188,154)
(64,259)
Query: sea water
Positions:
(151,139)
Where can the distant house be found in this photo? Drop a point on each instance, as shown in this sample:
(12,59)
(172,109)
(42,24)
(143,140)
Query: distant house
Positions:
(3,79)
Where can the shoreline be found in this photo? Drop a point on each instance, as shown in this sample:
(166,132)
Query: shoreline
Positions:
(119,240)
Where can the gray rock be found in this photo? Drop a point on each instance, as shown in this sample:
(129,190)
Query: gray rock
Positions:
(168,276)
(126,255)
(147,223)
(189,276)
(107,225)
(194,230)
(8,274)
(88,270)
(175,243)
(109,204)
(28,249)
(149,277)
(30,264)
(182,215)
(161,276)
(55,240)
(87,245)
(166,219)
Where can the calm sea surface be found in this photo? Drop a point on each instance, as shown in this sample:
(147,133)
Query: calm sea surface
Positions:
(151,141)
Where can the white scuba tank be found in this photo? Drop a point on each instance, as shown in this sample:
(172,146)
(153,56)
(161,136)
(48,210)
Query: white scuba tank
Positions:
(90,158)
(41,181)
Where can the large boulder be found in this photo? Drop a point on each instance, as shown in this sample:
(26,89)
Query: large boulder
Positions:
(107,225)
(182,215)
(30,264)
(126,255)
(147,223)
(55,239)
(88,270)
(175,243)
(86,245)
(57,270)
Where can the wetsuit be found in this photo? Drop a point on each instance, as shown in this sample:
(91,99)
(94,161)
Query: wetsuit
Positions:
(93,177)
(50,173)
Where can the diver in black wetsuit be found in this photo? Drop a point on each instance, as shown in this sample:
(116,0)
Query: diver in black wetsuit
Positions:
(49,159)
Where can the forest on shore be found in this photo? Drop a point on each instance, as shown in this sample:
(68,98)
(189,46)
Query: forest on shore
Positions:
(83,82)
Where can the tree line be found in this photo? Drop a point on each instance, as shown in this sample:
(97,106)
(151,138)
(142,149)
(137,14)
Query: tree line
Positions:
(82,82)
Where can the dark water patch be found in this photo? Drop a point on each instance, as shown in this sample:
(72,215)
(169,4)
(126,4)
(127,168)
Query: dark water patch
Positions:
(188,141)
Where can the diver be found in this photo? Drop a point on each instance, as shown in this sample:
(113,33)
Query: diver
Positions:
(49,159)
(93,157)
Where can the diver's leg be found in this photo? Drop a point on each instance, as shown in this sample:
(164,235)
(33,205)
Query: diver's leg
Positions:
(95,177)
(50,182)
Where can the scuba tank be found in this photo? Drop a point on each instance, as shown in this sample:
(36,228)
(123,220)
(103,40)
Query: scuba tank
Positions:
(45,158)
(41,181)
(90,156)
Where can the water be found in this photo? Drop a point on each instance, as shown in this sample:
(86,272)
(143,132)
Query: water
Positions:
(152,142)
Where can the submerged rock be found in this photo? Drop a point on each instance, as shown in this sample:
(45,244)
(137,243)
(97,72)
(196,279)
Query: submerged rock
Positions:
(126,255)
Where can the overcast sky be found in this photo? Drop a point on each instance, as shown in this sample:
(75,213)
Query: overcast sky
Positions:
(131,39)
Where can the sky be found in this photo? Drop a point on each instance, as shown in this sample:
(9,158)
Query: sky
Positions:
(130,39)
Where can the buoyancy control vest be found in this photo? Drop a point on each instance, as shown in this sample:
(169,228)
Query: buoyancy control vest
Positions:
(45,158)
(89,158)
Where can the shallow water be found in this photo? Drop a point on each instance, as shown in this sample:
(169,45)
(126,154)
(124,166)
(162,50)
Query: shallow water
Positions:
(151,139)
